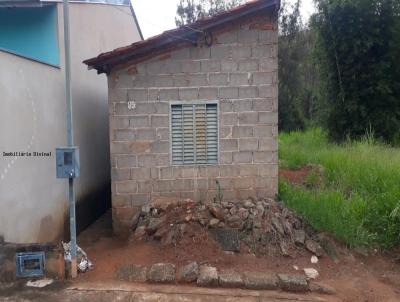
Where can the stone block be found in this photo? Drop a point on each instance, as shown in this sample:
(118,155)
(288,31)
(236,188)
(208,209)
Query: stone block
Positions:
(140,173)
(266,91)
(154,94)
(226,158)
(127,161)
(238,79)
(162,133)
(124,135)
(248,170)
(248,144)
(242,105)
(132,273)
(261,51)
(225,131)
(268,117)
(208,93)
(138,95)
(221,51)
(145,134)
(161,108)
(267,144)
(262,131)
(229,119)
(139,121)
(243,182)
(229,144)
(262,105)
(144,186)
(162,186)
(189,272)
(197,80)
(190,66)
(248,118)
(124,200)
(181,54)
(230,279)
(263,78)
(242,131)
(228,239)
(242,157)
(293,283)
(159,121)
(162,273)
(228,37)
(268,64)
(120,174)
(229,171)
(248,65)
(197,53)
(188,94)
(260,281)
(225,105)
(163,80)
(218,79)
(228,92)
(211,65)
(263,157)
(119,122)
(208,276)
(169,94)
(129,186)
(159,147)
(247,36)
(140,199)
(147,160)
(268,170)
(240,52)
(248,92)
(229,65)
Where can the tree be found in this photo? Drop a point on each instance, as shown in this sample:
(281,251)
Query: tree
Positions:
(297,76)
(188,11)
(358,46)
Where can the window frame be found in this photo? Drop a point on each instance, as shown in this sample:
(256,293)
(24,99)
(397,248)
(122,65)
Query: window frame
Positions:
(193,103)
(57,39)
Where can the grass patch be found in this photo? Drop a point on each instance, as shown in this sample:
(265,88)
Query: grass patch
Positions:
(359,198)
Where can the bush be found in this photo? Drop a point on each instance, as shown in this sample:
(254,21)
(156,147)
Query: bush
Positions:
(360,187)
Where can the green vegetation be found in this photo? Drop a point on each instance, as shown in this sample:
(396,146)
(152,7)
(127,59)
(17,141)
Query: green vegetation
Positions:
(358,200)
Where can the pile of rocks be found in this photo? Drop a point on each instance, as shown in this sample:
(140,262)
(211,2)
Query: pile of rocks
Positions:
(265,225)
(208,276)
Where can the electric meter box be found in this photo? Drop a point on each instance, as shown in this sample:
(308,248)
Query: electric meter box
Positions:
(67,161)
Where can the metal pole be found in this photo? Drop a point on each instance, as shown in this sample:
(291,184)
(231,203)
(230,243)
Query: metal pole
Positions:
(70,138)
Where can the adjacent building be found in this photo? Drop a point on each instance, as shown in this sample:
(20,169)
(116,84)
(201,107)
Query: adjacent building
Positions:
(193,112)
(33,203)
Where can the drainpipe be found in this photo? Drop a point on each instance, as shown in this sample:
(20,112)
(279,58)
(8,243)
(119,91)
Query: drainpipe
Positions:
(70,138)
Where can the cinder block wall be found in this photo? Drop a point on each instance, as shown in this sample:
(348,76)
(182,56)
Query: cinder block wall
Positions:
(239,70)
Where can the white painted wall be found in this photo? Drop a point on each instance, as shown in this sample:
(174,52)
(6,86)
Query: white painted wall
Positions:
(33,203)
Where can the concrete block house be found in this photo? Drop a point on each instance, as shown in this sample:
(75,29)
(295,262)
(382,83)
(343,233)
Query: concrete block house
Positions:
(193,106)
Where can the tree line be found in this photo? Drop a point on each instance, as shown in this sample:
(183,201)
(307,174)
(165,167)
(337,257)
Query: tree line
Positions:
(339,71)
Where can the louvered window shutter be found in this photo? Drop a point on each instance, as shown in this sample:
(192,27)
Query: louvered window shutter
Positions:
(194,134)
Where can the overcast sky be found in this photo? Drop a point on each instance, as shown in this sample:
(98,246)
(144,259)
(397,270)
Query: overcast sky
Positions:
(156,16)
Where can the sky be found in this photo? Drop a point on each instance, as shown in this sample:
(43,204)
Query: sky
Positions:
(156,16)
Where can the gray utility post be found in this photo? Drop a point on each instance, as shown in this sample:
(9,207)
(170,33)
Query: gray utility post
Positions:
(70,138)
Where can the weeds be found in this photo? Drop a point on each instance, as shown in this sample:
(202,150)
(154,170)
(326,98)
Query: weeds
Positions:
(359,199)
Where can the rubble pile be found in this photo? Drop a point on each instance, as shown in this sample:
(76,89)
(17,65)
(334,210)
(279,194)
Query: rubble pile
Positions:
(264,226)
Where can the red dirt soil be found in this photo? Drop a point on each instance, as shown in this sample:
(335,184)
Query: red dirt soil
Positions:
(354,276)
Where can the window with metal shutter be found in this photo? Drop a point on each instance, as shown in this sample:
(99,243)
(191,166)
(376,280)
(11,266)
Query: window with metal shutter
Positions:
(194,134)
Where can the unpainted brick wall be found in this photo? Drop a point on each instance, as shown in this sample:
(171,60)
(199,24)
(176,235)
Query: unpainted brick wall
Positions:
(240,71)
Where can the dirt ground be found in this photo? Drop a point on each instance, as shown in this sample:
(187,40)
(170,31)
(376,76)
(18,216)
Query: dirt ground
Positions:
(355,276)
